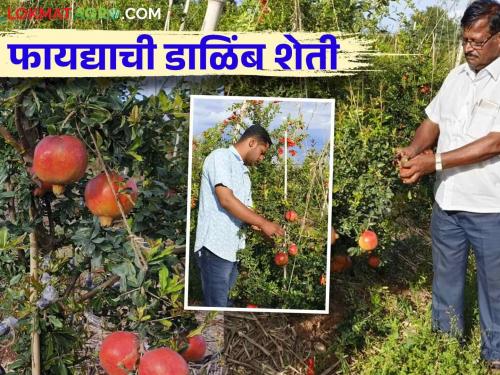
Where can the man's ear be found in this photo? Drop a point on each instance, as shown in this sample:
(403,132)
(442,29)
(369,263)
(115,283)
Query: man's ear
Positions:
(252,142)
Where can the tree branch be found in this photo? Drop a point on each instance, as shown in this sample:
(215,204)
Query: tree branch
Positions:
(9,139)
(109,282)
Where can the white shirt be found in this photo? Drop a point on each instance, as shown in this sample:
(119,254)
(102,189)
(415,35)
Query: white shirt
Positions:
(466,108)
(216,229)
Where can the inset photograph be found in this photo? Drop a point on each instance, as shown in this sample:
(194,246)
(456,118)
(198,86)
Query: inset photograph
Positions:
(260,177)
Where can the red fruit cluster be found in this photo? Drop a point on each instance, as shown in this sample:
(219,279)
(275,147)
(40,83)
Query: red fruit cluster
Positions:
(290,143)
(256,102)
(120,355)
(61,160)
(233,117)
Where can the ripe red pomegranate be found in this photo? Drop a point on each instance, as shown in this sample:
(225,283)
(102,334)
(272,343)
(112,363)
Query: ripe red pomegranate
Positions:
(339,263)
(293,250)
(119,353)
(196,349)
(368,240)
(101,202)
(163,361)
(291,216)
(425,89)
(373,261)
(60,160)
(281,258)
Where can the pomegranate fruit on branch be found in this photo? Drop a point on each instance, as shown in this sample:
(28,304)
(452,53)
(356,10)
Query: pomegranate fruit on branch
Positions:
(60,160)
(100,200)
(163,361)
(196,349)
(119,353)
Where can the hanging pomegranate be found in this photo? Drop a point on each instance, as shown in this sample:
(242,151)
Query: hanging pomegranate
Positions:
(119,353)
(100,200)
(163,361)
(196,349)
(60,160)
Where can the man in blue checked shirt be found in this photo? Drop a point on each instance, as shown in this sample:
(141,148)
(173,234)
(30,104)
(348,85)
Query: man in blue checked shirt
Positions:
(224,206)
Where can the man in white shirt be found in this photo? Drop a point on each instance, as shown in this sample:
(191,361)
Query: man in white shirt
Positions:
(464,120)
(225,205)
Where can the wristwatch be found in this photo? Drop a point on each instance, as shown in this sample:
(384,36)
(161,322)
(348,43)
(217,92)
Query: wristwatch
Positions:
(439,164)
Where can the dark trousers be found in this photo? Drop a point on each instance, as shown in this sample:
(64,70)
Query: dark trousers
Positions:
(452,233)
(218,276)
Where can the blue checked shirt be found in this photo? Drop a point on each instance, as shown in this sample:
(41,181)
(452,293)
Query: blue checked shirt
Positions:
(218,230)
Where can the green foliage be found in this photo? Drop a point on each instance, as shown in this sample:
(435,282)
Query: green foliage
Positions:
(140,137)
(389,331)
(261,282)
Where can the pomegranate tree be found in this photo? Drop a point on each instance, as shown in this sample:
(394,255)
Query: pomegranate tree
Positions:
(100,200)
(163,361)
(119,353)
(60,160)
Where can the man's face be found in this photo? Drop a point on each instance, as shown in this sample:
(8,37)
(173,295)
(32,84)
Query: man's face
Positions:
(479,57)
(256,153)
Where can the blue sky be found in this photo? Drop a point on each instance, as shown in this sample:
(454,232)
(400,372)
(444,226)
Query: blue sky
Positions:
(317,116)
(455,9)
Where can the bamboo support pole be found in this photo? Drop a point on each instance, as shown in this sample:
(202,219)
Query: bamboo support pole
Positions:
(35,336)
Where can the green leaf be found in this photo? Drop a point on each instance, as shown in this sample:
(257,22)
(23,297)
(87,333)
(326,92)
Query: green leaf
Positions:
(15,279)
(55,322)
(4,233)
(99,240)
(135,155)
(163,275)
(98,139)
(166,323)
(7,194)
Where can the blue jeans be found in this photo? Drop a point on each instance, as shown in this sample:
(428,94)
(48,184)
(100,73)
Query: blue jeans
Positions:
(218,276)
(452,233)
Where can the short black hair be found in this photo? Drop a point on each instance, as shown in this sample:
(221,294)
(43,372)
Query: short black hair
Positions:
(481,9)
(258,132)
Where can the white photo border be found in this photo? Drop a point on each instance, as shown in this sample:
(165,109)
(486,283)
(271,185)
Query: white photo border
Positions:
(188,215)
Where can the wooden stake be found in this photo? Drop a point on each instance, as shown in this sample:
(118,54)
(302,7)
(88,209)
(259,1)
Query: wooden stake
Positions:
(35,337)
